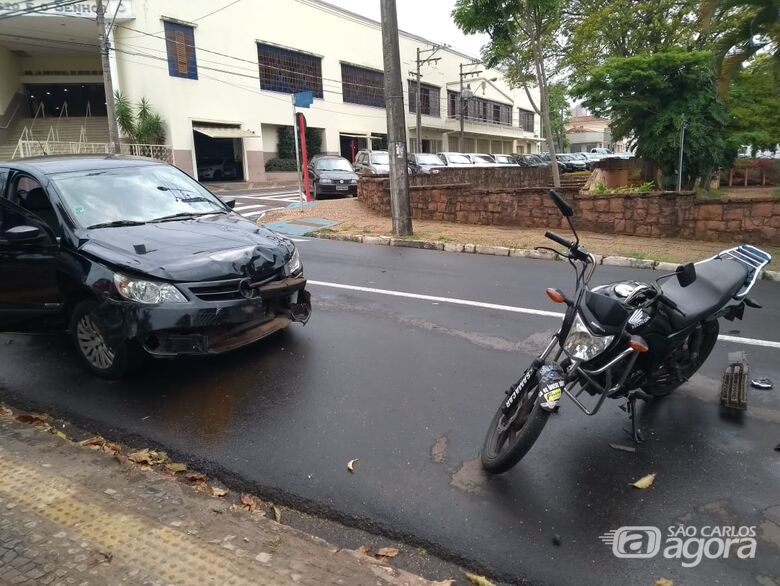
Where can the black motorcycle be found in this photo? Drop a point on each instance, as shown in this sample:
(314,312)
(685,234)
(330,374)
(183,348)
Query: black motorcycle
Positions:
(627,340)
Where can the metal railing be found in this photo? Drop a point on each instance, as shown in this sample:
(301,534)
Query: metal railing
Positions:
(33,148)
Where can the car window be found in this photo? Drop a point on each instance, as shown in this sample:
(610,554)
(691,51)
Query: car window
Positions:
(3,179)
(427,159)
(134,194)
(12,216)
(483,158)
(334,165)
(29,194)
(380,158)
(459,159)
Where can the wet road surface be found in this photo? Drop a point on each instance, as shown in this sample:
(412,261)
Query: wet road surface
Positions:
(408,386)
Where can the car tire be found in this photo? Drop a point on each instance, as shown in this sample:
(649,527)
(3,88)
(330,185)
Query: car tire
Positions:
(94,351)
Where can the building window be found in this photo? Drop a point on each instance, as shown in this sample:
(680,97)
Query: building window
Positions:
(480,110)
(526,120)
(286,71)
(180,44)
(362,86)
(429,99)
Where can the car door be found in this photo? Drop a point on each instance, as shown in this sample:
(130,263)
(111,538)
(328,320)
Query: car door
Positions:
(30,293)
(360,163)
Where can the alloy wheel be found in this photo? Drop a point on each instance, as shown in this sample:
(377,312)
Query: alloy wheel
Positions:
(92,344)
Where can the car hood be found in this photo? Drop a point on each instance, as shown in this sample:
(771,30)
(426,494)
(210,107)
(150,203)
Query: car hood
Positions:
(336,175)
(208,248)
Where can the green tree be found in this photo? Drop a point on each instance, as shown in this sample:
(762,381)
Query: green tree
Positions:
(648,97)
(524,42)
(752,27)
(559,115)
(754,106)
(285,142)
(139,123)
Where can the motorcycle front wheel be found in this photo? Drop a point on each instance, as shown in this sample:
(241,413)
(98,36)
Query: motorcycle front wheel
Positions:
(506,443)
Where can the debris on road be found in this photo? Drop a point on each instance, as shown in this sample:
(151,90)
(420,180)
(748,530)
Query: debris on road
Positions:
(763,384)
(388,552)
(623,448)
(557,539)
(645,481)
(248,501)
(663,582)
(351,465)
(478,580)
(176,467)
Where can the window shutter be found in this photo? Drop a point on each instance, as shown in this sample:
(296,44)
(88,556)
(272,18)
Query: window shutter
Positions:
(181,52)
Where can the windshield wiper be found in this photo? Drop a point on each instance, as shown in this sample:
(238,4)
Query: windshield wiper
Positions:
(184,215)
(116,224)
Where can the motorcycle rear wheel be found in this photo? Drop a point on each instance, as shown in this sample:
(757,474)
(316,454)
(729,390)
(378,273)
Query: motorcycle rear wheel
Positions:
(709,336)
(505,447)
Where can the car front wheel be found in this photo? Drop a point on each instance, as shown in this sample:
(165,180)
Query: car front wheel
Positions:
(98,355)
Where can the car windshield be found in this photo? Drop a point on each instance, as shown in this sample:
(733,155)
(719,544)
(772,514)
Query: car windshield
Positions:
(133,195)
(483,158)
(533,158)
(334,165)
(503,159)
(427,159)
(459,159)
(380,159)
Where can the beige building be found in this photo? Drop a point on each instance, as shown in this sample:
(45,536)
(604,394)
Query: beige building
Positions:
(586,132)
(221,77)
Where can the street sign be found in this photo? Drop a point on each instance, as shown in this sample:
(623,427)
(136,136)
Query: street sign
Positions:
(303,99)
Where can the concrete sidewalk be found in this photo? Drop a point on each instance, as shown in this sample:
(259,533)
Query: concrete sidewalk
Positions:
(71,514)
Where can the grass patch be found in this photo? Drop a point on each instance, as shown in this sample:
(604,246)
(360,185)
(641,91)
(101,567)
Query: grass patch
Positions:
(322,231)
(718,193)
(776,192)
(638,255)
(444,238)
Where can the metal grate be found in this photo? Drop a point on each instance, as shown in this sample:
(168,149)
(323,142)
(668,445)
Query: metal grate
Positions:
(283,70)
(362,86)
(429,99)
(180,46)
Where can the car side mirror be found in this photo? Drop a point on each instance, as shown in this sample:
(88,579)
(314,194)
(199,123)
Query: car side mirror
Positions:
(686,274)
(231,203)
(22,234)
(565,208)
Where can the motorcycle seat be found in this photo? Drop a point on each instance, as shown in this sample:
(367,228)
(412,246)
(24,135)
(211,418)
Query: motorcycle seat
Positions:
(717,281)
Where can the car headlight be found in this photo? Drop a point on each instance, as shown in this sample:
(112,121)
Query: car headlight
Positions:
(325,180)
(294,265)
(353,181)
(582,344)
(148,292)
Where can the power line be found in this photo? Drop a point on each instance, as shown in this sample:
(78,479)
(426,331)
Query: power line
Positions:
(41,8)
(196,19)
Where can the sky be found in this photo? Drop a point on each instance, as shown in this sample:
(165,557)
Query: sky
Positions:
(427,18)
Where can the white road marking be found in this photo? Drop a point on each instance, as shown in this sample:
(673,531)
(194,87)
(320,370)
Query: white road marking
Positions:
(252,207)
(510,308)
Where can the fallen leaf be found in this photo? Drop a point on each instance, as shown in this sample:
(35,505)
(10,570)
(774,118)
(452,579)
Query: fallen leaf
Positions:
(176,467)
(663,582)
(110,447)
(444,583)
(32,419)
(248,501)
(59,434)
(6,411)
(351,465)
(365,550)
(93,441)
(388,552)
(277,514)
(645,481)
(478,580)
(141,457)
(217,491)
(105,558)
(121,458)
(195,477)
(623,448)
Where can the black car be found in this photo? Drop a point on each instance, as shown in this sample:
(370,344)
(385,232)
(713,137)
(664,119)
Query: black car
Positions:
(425,163)
(530,160)
(332,175)
(133,257)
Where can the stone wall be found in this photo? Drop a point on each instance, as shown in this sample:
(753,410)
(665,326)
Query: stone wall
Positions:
(672,215)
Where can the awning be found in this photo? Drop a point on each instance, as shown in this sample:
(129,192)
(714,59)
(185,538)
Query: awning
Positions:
(223,131)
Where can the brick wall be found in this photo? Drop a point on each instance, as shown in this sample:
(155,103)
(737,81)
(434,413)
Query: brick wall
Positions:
(675,215)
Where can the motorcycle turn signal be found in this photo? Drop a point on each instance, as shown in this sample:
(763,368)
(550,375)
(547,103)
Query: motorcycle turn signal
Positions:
(556,295)
(638,344)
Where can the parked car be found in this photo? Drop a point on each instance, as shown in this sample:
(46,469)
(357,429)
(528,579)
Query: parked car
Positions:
(332,175)
(562,167)
(455,159)
(217,169)
(133,258)
(372,162)
(504,159)
(425,163)
(573,163)
(530,160)
(481,160)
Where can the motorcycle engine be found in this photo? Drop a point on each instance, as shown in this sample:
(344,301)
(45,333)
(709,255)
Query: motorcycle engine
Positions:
(634,296)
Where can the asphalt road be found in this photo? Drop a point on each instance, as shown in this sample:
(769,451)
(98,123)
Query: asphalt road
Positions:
(254,203)
(408,386)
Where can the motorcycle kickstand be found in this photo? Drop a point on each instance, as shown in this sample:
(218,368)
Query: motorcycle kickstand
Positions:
(636,432)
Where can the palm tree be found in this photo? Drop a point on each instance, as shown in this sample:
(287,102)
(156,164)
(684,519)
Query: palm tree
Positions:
(753,26)
(140,123)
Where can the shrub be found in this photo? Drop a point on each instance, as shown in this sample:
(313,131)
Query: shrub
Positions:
(281,165)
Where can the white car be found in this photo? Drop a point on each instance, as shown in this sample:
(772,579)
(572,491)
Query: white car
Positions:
(455,159)
(482,160)
(505,160)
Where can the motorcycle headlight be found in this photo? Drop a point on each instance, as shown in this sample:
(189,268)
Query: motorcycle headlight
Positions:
(325,180)
(582,344)
(294,265)
(147,292)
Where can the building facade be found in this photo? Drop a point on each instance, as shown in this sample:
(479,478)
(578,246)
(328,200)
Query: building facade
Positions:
(586,132)
(221,77)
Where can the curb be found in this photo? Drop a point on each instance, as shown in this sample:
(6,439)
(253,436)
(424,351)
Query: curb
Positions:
(614,261)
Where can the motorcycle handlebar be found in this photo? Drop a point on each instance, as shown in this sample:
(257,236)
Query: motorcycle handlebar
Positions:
(576,252)
(559,239)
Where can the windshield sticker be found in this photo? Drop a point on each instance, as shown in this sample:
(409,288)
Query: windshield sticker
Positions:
(79,210)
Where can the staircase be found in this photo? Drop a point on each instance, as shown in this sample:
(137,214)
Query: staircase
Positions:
(66,130)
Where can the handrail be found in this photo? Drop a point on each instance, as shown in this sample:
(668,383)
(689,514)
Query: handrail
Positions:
(24,137)
(40,108)
(7,124)
(56,127)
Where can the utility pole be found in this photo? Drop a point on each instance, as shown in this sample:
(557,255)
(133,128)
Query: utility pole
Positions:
(463,102)
(680,162)
(418,77)
(396,122)
(108,85)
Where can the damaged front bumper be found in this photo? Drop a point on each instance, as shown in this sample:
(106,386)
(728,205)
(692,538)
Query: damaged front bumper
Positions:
(206,326)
